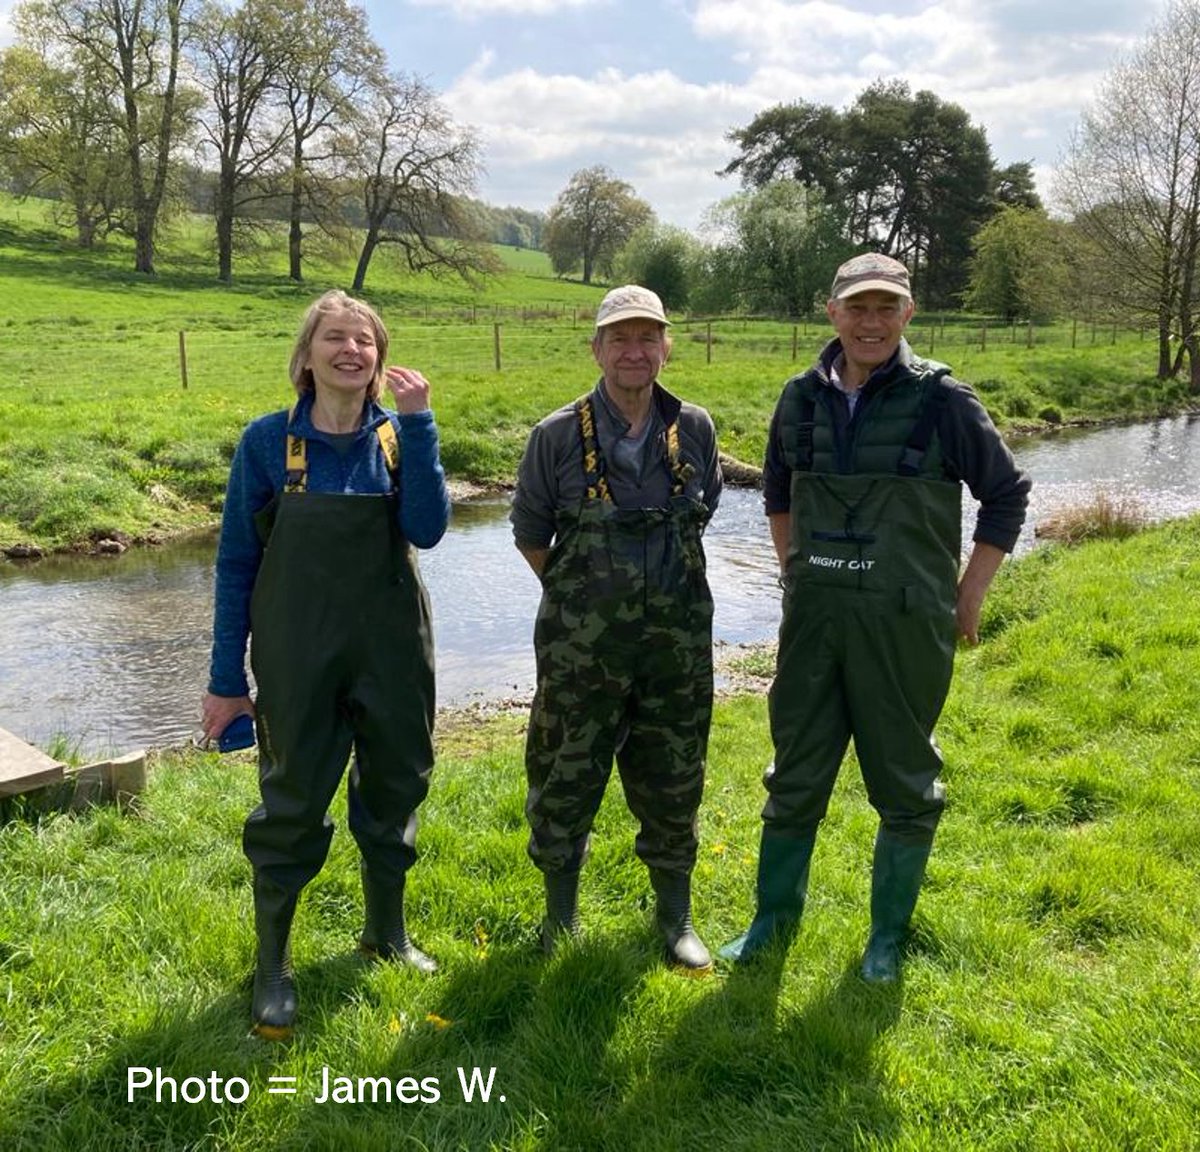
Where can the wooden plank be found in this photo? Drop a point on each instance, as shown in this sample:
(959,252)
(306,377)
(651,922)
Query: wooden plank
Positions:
(23,767)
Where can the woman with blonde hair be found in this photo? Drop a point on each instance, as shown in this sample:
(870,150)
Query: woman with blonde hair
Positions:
(325,503)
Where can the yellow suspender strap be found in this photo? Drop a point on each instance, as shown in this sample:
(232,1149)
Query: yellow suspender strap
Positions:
(296,465)
(595,482)
(391,450)
(680,472)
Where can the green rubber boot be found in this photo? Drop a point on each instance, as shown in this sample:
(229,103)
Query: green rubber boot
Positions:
(673,914)
(385,936)
(783,863)
(273,1001)
(562,908)
(896,876)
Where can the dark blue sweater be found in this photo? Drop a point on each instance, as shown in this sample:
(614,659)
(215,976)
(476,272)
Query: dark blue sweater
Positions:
(257,475)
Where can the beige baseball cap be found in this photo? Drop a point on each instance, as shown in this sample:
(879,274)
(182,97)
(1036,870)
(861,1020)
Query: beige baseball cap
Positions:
(630,302)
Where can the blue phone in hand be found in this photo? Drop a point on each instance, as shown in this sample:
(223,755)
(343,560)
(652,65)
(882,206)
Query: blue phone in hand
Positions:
(237,734)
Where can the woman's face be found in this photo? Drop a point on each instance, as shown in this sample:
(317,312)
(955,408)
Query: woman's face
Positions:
(342,355)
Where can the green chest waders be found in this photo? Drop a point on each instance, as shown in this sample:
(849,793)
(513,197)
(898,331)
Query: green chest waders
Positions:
(342,652)
(624,667)
(866,645)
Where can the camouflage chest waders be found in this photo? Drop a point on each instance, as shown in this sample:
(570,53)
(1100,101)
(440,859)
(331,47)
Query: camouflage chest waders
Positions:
(624,667)
(342,651)
(866,645)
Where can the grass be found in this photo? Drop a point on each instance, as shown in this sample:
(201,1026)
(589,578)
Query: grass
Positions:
(99,437)
(1050,999)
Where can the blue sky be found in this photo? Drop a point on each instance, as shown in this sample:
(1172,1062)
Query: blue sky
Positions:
(651,88)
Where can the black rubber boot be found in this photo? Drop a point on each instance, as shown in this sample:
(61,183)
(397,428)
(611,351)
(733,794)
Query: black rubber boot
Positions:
(673,914)
(562,908)
(896,876)
(385,936)
(783,863)
(273,1002)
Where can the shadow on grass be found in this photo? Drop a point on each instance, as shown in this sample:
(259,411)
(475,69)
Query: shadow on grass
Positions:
(522,1052)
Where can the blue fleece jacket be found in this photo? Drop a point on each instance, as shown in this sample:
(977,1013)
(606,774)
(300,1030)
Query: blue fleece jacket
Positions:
(257,475)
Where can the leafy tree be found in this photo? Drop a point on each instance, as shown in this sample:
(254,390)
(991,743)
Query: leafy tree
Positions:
(788,244)
(1015,187)
(589,222)
(1132,179)
(58,137)
(415,167)
(1018,269)
(134,46)
(908,174)
(658,257)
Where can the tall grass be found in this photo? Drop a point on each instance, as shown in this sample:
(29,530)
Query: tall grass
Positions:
(1049,1001)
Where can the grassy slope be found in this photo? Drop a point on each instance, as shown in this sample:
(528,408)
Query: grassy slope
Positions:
(1050,1000)
(98,435)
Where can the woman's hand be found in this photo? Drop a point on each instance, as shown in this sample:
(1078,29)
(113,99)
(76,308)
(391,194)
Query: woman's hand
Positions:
(218,712)
(409,388)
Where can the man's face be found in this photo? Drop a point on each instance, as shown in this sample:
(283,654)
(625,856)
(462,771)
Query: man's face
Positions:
(869,326)
(630,354)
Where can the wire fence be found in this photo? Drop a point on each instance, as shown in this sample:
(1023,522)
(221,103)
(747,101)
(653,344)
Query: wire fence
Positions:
(479,344)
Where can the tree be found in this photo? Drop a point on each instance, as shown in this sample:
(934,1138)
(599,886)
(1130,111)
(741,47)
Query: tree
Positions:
(332,60)
(658,257)
(788,243)
(908,174)
(135,45)
(58,137)
(239,54)
(415,168)
(589,222)
(1132,179)
(1018,270)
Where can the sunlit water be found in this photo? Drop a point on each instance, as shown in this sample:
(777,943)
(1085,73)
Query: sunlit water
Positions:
(113,653)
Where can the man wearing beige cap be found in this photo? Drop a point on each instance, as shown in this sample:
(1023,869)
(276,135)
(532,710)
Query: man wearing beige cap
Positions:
(613,493)
(866,458)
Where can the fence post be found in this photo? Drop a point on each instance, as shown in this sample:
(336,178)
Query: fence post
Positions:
(1114,335)
(708,343)
(183,358)
(1029,336)
(932,330)
(795,340)
(1074,329)
(983,338)
(496,345)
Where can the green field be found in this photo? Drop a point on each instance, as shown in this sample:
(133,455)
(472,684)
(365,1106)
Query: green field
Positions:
(99,436)
(1050,1001)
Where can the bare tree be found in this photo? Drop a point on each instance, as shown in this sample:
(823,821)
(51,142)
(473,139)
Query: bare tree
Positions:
(1132,179)
(415,167)
(332,60)
(239,55)
(137,44)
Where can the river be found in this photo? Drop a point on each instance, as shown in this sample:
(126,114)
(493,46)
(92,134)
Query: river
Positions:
(112,653)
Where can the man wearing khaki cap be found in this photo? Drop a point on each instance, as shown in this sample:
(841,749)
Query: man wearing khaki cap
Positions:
(866,458)
(613,493)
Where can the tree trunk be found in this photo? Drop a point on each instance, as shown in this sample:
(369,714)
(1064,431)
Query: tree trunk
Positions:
(295,232)
(364,259)
(224,214)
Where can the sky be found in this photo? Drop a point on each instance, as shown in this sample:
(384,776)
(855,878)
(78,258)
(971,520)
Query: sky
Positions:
(651,89)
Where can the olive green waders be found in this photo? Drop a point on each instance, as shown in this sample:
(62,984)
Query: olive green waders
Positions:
(866,652)
(342,653)
(624,668)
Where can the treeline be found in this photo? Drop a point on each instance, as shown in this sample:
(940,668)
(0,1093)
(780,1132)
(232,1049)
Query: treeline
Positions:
(263,110)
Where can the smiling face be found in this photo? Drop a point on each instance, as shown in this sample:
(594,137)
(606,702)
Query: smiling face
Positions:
(630,354)
(343,354)
(342,348)
(869,325)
